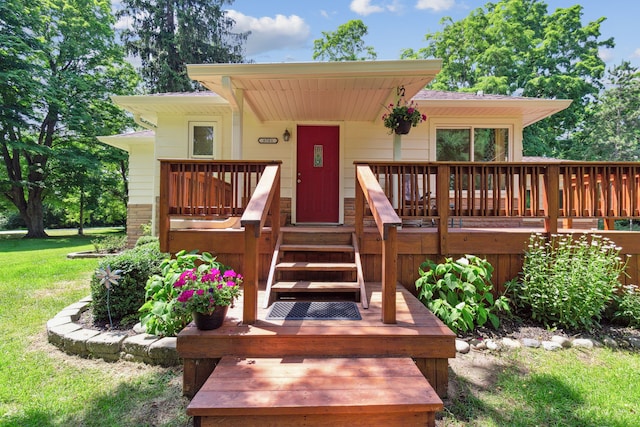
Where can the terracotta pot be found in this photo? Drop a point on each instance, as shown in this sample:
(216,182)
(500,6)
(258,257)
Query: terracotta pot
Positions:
(404,126)
(208,322)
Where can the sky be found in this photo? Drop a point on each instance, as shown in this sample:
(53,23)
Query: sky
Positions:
(284,30)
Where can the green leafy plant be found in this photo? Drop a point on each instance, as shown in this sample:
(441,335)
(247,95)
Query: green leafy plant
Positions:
(161,313)
(626,305)
(568,282)
(110,244)
(459,292)
(135,266)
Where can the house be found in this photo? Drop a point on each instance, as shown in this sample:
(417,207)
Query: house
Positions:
(274,145)
(251,106)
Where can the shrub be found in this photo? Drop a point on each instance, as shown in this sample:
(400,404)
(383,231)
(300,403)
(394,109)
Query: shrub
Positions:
(568,282)
(626,306)
(159,314)
(110,244)
(459,292)
(125,298)
(144,240)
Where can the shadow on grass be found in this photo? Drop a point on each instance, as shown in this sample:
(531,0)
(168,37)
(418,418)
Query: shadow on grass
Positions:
(514,397)
(155,400)
(17,242)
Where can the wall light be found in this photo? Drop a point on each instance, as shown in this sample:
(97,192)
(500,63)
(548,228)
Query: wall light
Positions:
(286,135)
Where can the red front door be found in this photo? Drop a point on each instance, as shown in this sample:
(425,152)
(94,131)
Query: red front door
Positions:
(318,177)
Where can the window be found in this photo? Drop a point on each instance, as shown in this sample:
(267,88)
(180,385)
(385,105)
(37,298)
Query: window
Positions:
(202,137)
(473,144)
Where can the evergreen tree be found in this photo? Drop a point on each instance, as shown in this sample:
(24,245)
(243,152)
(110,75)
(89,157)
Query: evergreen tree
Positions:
(168,34)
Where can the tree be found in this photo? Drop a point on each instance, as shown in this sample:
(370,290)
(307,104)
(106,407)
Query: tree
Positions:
(168,34)
(60,62)
(345,44)
(514,47)
(613,130)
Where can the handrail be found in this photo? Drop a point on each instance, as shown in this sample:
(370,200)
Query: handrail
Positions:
(265,199)
(387,221)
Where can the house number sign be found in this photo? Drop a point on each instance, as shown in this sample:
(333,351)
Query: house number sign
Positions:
(267,140)
(317,156)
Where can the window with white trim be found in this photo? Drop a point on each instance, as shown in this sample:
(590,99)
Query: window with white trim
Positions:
(202,139)
(472,144)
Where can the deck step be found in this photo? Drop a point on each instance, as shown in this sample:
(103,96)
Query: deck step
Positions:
(315,391)
(316,266)
(314,286)
(290,247)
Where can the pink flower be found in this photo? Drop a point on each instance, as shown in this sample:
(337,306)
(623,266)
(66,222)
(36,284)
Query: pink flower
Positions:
(424,117)
(185,295)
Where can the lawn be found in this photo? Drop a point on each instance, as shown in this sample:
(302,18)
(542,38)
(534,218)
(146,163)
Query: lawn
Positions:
(41,386)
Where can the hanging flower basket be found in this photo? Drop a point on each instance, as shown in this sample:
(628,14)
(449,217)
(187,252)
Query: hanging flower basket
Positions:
(401,117)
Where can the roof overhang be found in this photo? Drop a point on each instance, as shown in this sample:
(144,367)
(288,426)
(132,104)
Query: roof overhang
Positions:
(319,91)
(147,108)
(125,141)
(530,110)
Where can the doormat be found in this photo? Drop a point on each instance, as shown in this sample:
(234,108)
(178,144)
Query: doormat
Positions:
(315,310)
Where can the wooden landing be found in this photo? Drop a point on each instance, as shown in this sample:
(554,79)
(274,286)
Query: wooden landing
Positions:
(418,334)
(315,391)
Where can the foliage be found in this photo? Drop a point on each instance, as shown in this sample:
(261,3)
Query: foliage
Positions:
(626,305)
(515,47)
(459,292)
(568,282)
(201,290)
(60,64)
(136,266)
(145,240)
(345,44)
(399,111)
(613,131)
(110,244)
(168,34)
(159,314)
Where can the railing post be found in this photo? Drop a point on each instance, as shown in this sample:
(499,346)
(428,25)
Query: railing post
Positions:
(552,197)
(389,275)
(359,215)
(250,304)
(163,217)
(442,204)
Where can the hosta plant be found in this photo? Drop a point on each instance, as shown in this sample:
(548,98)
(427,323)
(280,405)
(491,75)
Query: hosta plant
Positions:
(459,292)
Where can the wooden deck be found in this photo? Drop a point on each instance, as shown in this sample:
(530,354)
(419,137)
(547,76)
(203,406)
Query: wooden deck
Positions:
(418,334)
(298,391)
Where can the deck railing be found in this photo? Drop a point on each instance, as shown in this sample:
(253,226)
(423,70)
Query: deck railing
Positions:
(564,190)
(205,190)
(387,221)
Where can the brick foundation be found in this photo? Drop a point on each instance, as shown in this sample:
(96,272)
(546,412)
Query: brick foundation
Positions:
(137,215)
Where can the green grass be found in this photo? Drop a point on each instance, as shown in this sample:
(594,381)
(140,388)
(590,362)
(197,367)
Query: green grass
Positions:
(40,386)
(569,388)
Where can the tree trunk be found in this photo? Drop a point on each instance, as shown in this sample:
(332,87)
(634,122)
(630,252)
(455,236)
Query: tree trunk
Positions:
(34,217)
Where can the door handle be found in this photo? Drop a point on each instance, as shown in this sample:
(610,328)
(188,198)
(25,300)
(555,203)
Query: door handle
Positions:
(299,181)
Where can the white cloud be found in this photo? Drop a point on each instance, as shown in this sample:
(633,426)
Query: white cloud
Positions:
(435,5)
(636,53)
(607,55)
(364,7)
(269,33)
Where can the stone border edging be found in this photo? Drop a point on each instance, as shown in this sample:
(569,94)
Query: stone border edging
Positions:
(111,346)
(557,342)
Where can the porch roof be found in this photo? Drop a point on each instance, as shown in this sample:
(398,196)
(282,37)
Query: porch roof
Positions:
(321,91)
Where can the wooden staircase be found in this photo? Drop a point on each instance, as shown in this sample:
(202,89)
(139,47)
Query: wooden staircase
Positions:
(316,264)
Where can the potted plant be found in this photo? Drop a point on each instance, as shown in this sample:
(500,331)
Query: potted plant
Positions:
(207,294)
(400,117)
